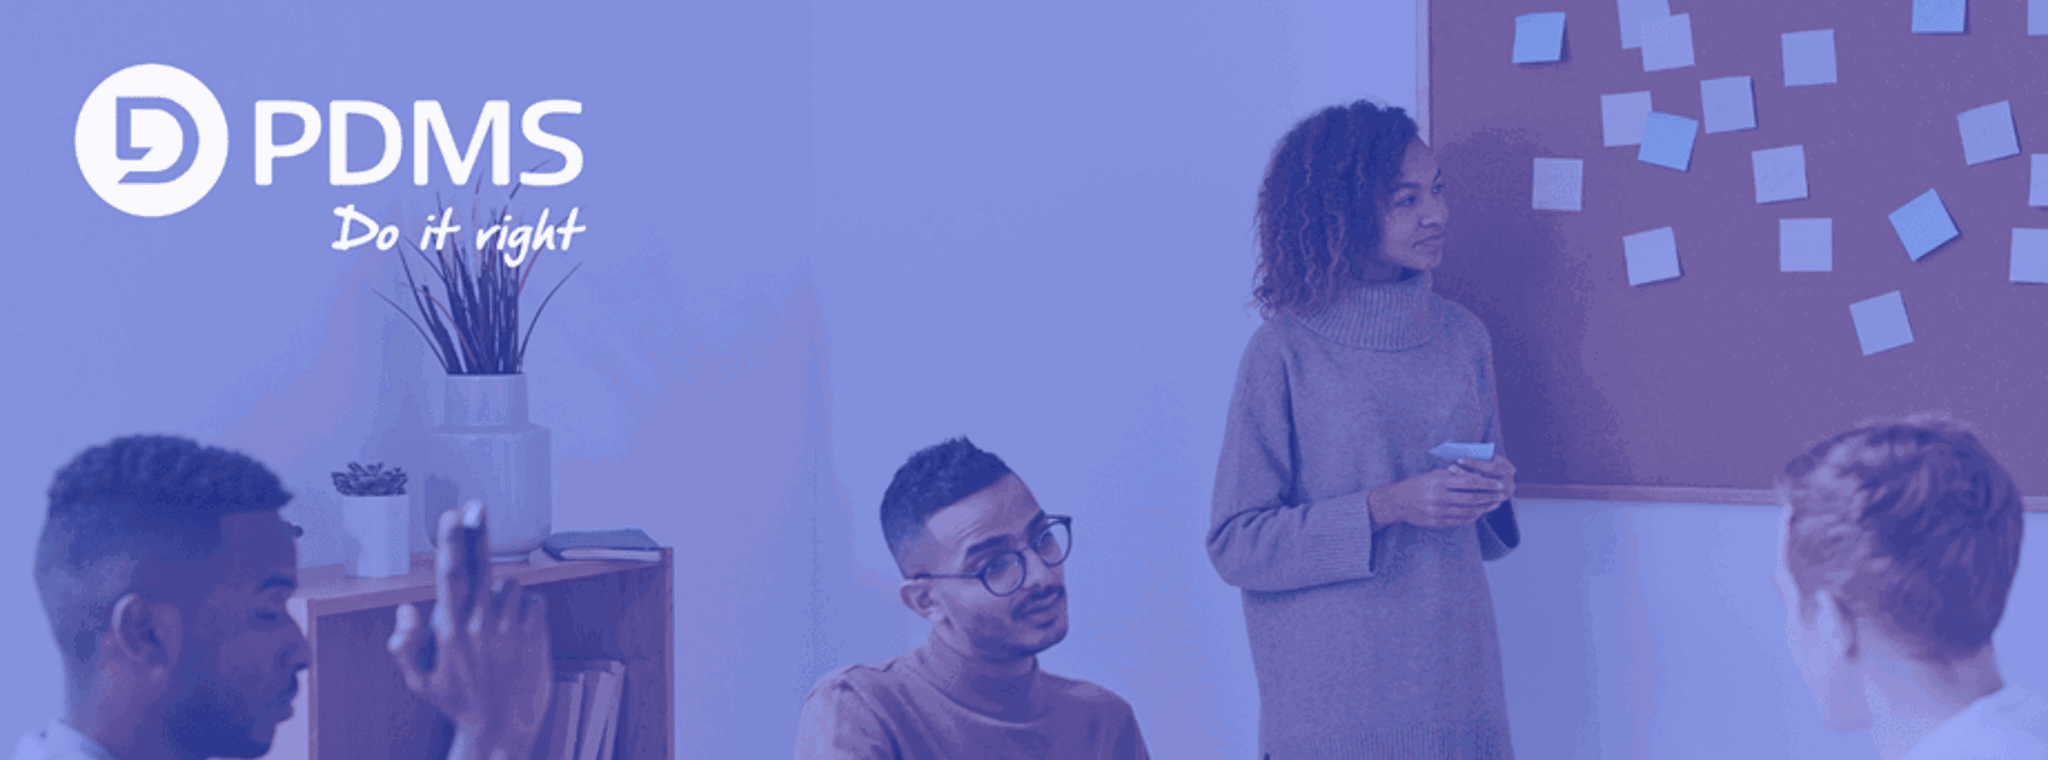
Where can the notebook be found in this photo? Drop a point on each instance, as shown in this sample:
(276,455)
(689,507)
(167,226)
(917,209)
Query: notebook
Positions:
(618,543)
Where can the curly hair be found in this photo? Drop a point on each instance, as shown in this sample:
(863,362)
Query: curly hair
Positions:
(1320,203)
(126,517)
(1913,525)
(935,478)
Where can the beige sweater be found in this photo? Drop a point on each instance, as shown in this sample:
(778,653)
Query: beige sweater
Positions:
(930,705)
(1367,641)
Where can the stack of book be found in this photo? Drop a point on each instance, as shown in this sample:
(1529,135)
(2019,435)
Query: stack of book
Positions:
(583,721)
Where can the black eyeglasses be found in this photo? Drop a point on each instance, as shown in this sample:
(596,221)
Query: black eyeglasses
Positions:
(1004,573)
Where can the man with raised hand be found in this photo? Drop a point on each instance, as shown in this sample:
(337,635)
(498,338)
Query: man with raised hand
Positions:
(165,569)
(1896,553)
(982,563)
(483,659)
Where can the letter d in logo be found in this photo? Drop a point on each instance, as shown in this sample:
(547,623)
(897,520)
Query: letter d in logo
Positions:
(151,140)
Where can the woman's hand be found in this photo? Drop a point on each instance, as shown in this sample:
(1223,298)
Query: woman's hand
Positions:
(1498,468)
(1448,498)
(483,659)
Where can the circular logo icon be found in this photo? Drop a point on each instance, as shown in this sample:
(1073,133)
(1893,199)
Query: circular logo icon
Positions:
(151,140)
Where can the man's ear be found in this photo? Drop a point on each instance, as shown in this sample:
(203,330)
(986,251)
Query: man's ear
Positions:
(917,595)
(1837,626)
(147,635)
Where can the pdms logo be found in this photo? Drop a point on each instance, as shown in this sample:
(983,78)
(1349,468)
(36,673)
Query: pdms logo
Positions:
(152,140)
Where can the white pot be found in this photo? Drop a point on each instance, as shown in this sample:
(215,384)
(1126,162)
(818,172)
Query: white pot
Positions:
(380,535)
(488,451)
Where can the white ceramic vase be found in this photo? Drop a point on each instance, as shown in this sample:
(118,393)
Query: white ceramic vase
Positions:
(381,529)
(487,450)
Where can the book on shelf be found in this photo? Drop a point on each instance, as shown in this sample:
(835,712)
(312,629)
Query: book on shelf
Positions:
(590,711)
(558,737)
(618,543)
(603,716)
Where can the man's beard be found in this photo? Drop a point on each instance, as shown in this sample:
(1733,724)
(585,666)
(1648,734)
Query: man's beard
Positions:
(202,724)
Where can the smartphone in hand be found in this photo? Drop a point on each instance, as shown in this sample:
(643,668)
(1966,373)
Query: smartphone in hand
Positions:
(476,555)
(476,564)
(1453,451)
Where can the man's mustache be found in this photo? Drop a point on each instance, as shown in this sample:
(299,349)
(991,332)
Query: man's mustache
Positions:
(1037,602)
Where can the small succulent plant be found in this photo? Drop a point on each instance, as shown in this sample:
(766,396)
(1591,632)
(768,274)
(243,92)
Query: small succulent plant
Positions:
(373,480)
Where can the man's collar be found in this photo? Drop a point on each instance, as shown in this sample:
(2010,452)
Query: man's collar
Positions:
(975,685)
(59,741)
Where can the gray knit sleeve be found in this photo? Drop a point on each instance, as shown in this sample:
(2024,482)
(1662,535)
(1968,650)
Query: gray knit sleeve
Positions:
(1262,537)
(1499,533)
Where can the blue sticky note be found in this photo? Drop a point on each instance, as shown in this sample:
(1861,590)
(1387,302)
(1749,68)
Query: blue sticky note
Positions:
(1621,118)
(1806,245)
(1728,104)
(2037,186)
(2037,18)
(1559,185)
(1652,256)
(1539,37)
(1667,42)
(1809,57)
(1938,16)
(1988,133)
(1881,323)
(1923,225)
(1634,12)
(1667,140)
(2029,255)
(1454,451)
(1780,173)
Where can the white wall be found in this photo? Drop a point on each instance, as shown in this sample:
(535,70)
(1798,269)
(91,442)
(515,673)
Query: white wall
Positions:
(1652,630)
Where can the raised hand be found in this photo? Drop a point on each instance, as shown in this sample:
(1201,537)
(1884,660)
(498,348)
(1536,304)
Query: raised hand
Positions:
(483,659)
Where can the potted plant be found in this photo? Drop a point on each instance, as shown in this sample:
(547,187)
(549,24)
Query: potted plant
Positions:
(374,511)
(485,448)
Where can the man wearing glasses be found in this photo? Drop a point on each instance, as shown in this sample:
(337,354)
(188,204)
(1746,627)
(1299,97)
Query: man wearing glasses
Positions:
(982,562)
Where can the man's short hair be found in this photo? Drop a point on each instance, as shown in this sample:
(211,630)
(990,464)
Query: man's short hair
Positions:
(934,478)
(135,504)
(1913,525)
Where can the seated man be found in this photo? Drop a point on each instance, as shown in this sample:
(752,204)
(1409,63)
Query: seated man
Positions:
(982,563)
(1897,550)
(165,568)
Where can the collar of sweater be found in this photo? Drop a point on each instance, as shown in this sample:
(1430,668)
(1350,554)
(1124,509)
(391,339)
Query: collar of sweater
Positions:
(1391,316)
(977,685)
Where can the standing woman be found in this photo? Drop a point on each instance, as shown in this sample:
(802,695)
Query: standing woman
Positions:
(1357,551)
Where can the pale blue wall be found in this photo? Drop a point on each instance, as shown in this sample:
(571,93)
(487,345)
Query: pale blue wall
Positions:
(1653,630)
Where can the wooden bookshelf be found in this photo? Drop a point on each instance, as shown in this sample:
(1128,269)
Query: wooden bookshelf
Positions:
(355,704)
